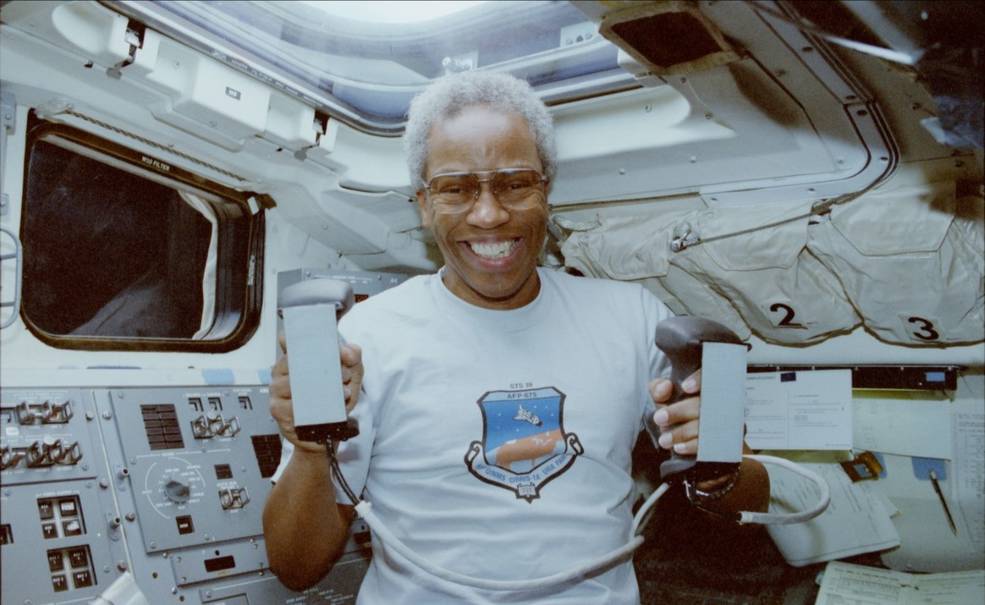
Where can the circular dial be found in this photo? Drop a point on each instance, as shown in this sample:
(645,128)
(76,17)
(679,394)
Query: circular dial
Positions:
(172,485)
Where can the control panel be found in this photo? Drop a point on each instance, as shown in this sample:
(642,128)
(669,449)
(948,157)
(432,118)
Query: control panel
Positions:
(159,486)
(62,536)
(164,485)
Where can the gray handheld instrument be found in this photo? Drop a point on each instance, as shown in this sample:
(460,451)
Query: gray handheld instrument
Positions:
(692,343)
(311,310)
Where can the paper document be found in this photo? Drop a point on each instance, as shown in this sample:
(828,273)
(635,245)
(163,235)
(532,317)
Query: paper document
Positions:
(809,410)
(969,470)
(902,423)
(928,544)
(847,584)
(856,521)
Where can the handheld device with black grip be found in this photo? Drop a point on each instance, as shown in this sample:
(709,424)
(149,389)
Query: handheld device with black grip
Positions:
(311,310)
(683,340)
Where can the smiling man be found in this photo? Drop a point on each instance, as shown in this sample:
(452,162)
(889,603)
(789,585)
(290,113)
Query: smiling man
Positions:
(498,402)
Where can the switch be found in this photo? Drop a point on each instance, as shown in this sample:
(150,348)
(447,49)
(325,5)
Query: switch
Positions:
(45,509)
(82,579)
(9,457)
(241,497)
(59,583)
(230,428)
(67,507)
(49,530)
(71,455)
(55,560)
(225,499)
(59,413)
(25,415)
(200,428)
(185,525)
(235,497)
(72,528)
(216,424)
(77,557)
(37,455)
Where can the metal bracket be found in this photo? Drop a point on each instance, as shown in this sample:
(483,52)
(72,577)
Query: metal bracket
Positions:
(8,122)
(135,38)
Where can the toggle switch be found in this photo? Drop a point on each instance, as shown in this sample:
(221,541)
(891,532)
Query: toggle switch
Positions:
(233,497)
(200,428)
(26,415)
(71,454)
(38,455)
(216,424)
(230,428)
(10,457)
(59,413)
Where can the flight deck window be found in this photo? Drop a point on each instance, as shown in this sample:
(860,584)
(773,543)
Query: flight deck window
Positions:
(123,251)
(365,61)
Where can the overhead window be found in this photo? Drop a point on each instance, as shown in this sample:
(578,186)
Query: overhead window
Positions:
(363,62)
(124,251)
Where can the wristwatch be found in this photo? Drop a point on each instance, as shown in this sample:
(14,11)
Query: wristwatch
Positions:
(699,497)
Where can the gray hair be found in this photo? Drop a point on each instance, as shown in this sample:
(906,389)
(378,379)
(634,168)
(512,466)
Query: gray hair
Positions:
(449,95)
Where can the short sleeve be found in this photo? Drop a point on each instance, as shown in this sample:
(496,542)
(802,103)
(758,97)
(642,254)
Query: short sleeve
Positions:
(658,366)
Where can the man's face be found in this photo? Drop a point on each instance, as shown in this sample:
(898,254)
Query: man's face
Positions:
(490,251)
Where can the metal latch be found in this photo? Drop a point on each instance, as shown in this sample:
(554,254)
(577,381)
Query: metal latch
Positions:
(134,36)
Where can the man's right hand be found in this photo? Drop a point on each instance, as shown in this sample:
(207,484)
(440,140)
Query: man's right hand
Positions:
(281,406)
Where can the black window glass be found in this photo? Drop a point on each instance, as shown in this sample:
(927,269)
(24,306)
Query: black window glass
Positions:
(108,252)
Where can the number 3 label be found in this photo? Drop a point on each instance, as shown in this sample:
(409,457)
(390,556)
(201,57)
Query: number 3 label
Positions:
(925,329)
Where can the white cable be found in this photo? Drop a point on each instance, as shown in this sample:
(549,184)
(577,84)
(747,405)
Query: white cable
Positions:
(638,520)
(391,541)
(824,496)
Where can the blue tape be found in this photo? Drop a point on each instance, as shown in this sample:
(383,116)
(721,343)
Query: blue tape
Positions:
(218,376)
(265,376)
(923,466)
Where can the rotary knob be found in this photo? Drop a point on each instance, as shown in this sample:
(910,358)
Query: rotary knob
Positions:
(177,491)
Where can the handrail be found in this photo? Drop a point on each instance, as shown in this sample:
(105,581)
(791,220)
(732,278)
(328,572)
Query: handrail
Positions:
(16,254)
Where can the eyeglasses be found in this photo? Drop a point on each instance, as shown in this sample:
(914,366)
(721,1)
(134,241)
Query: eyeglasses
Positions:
(514,188)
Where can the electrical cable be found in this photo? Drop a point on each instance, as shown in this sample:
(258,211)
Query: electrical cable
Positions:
(334,464)
(395,545)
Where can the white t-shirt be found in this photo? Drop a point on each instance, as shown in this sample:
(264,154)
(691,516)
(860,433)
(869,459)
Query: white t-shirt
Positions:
(497,444)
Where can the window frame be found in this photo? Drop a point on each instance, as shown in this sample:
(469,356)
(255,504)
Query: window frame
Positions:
(237,314)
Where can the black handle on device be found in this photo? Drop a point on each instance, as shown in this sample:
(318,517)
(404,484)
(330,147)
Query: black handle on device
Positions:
(681,340)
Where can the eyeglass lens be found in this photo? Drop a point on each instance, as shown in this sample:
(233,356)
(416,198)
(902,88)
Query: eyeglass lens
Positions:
(510,187)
